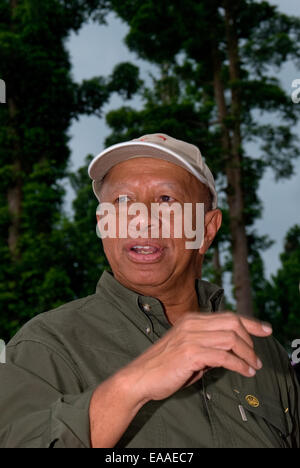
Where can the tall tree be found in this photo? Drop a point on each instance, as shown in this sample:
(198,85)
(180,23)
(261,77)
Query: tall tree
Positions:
(42,100)
(84,259)
(227,50)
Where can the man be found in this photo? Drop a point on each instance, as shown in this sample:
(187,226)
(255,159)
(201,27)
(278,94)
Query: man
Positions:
(147,361)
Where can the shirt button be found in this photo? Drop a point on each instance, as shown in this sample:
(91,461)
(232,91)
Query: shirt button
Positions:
(148,330)
(208,396)
(147,307)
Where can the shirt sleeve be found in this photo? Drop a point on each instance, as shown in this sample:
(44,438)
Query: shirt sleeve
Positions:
(294,395)
(43,402)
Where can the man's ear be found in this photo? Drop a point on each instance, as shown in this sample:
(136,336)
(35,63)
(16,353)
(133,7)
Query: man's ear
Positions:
(212,221)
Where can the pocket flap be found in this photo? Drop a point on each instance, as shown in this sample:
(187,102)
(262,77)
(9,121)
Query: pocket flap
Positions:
(264,407)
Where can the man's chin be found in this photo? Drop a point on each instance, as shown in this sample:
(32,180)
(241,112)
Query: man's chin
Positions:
(146,276)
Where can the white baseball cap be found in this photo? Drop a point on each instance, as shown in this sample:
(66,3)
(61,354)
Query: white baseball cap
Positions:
(158,146)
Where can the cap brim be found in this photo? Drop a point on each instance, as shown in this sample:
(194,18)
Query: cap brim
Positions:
(116,154)
(102,163)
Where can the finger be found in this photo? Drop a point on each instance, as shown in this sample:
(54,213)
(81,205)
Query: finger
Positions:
(253,326)
(256,327)
(229,341)
(219,358)
(219,322)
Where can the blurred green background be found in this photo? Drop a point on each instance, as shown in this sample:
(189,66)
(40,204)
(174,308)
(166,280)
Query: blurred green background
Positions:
(213,79)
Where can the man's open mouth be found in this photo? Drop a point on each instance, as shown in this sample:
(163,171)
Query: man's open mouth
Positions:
(148,252)
(144,249)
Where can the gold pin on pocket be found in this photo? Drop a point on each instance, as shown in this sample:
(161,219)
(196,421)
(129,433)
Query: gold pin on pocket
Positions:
(252,401)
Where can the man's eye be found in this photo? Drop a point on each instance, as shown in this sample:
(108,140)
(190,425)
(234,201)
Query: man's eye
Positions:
(122,199)
(166,198)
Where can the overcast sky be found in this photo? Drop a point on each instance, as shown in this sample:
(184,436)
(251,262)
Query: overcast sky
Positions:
(96,49)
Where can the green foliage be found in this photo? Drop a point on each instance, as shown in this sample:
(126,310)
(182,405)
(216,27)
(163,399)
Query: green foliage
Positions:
(94,93)
(179,38)
(280,300)
(125,80)
(46,259)
(84,257)
(33,151)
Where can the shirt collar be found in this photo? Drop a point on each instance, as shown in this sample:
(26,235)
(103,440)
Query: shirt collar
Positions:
(132,303)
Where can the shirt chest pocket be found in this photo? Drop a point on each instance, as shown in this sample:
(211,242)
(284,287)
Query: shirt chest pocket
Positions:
(268,415)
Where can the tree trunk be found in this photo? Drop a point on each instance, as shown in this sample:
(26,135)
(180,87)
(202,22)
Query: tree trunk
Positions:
(231,148)
(14,194)
(217,266)
(242,279)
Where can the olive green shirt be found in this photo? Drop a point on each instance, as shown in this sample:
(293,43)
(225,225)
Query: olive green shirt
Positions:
(57,360)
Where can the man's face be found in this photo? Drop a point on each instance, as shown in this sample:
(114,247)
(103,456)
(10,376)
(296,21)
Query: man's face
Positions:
(147,181)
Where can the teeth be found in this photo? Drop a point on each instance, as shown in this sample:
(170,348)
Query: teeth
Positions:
(144,249)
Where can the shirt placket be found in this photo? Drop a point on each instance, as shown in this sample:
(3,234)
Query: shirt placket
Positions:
(157,323)
(209,400)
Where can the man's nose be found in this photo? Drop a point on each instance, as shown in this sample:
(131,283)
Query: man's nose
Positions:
(147,221)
